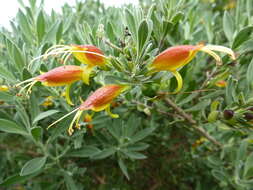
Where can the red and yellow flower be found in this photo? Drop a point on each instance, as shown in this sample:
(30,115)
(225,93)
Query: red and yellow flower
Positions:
(176,57)
(100,100)
(4,88)
(89,55)
(59,76)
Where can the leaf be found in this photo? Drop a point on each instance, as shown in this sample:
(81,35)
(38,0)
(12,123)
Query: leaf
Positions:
(219,175)
(249,75)
(25,25)
(131,23)
(18,57)
(138,147)
(178,16)
(134,155)
(143,32)
(110,32)
(33,166)
(104,153)
(4,73)
(123,168)
(228,25)
(242,151)
(84,152)
(40,23)
(51,35)
(59,32)
(142,134)
(44,115)
(16,179)
(230,91)
(6,97)
(248,166)
(11,127)
(242,36)
(37,133)
(70,183)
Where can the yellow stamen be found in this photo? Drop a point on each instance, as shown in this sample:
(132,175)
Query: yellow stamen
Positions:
(179,81)
(213,54)
(67,96)
(86,74)
(210,48)
(55,52)
(108,111)
(75,119)
(62,118)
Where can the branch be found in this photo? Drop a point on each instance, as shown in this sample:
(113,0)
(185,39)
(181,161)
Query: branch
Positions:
(192,122)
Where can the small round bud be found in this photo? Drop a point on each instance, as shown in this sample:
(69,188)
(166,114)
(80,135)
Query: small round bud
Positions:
(248,116)
(228,114)
(250,109)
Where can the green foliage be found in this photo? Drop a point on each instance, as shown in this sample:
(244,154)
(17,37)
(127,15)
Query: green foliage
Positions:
(154,144)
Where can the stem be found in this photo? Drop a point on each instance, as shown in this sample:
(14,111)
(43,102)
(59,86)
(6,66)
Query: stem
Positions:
(112,45)
(192,122)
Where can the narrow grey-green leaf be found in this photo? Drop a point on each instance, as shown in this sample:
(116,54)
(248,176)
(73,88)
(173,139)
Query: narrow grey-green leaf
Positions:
(44,115)
(69,181)
(37,133)
(228,25)
(11,127)
(84,152)
(4,96)
(104,153)
(123,168)
(142,134)
(134,155)
(248,166)
(33,166)
(242,36)
(40,26)
(249,75)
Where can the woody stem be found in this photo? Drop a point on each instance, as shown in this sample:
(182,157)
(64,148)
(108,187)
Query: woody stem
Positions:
(193,123)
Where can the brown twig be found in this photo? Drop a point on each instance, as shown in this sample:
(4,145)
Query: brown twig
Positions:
(192,122)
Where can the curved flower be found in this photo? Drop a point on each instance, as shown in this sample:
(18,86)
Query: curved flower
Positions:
(4,88)
(87,54)
(176,57)
(100,100)
(59,76)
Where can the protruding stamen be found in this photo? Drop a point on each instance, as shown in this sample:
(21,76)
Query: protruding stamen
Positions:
(222,49)
(67,96)
(75,119)
(28,80)
(108,111)
(86,74)
(213,54)
(179,81)
(62,118)
(63,51)
(32,84)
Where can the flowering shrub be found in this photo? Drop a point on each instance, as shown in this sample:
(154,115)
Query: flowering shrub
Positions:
(131,63)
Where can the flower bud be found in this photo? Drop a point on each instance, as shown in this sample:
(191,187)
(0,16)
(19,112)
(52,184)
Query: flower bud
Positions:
(248,116)
(228,114)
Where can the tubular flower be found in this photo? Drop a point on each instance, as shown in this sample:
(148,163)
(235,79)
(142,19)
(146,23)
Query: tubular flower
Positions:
(48,101)
(100,100)
(88,119)
(86,54)
(59,76)
(221,84)
(4,88)
(176,57)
